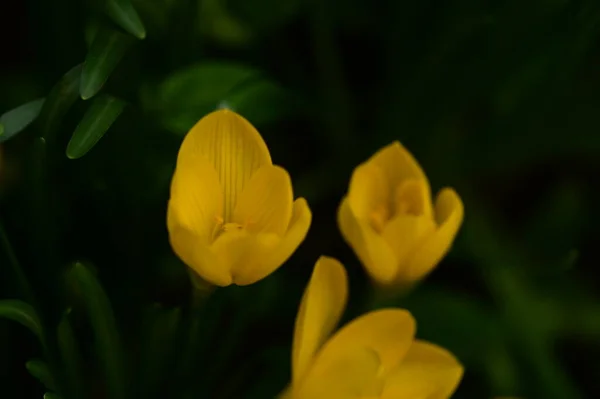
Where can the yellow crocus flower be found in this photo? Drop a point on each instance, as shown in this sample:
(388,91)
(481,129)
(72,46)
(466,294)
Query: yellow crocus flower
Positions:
(389,220)
(231,216)
(373,357)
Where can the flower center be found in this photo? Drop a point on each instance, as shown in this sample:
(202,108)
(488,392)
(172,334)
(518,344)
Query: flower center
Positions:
(408,199)
(221,227)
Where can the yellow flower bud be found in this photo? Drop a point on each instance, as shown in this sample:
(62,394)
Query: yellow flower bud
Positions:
(231,216)
(389,220)
(374,356)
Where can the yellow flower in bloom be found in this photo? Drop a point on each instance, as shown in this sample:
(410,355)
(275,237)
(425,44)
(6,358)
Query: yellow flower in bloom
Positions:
(389,220)
(374,356)
(232,217)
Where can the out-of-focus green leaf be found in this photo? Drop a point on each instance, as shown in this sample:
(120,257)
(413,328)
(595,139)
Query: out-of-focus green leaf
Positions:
(90,31)
(16,120)
(125,15)
(106,51)
(22,313)
(217,22)
(443,318)
(59,100)
(40,370)
(51,395)
(71,358)
(262,101)
(104,326)
(468,329)
(159,341)
(97,120)
(189,94)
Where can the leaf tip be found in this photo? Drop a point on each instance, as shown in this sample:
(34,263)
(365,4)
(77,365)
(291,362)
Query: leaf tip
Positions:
(141,33)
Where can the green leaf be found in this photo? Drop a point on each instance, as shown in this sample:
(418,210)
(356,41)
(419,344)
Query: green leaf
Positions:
(189,94)
(262,101)
(16,120)
(71,357)
(108,48)
(104,327)
(59,101)
(22,313)
(97,120)
(125,15)
(40,370)
(50,395)
(160,338)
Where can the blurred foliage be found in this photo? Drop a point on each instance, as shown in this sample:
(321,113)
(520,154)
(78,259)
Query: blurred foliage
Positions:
(496,98)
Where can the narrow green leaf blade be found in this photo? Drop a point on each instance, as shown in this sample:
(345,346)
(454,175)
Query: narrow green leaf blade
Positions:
(104,326)
(40,370)
(17,119)
(71,358)
(97,120)
(22,313)
(125,15)
(60,100)
(108,48)
(160,339)
(51,395)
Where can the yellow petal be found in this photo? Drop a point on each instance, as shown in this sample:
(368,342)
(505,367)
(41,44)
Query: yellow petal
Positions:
(196,253)
(266,203)
(388,332)
(196,200)
(398,164)
(241,252)
(373,251)
(369,192)
(449,212)
(351,375)
(427,372)
(232,145)
(320,310)
(297,230)
(405,234)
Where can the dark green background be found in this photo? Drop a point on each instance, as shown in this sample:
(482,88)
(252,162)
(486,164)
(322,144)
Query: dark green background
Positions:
(499,99)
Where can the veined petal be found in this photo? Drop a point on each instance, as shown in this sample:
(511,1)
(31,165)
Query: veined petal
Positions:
(196,253)
(297,230)
(373,251)
(351,375)
(266,203)
(233,146)
(242,252)
(320,310)
(427,372)
(405,234)
(196,200)
(388,332)
(449,212)
(398,164)
(369,192)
